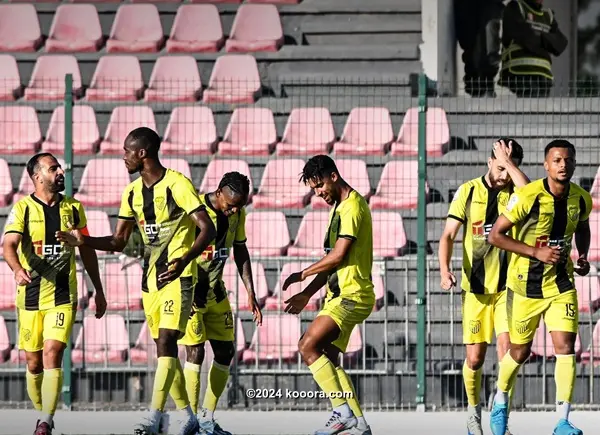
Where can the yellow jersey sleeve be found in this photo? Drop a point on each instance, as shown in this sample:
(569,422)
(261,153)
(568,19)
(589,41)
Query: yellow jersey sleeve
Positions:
(458,206)
(185,195)
(585,214)
(519,205)
(126,212)
(81,224)
(15,223)
(240,233)
(350,219)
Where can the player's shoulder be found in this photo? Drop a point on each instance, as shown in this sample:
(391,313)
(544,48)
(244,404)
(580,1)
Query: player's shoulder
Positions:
(576,189)
(69,201)
(466,187)
(533,188)
(175,177)
(357,202)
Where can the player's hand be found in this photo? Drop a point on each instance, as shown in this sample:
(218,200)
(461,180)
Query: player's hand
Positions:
(548,254)
(255,310)
(448,280)
(73,237)
(175,268)
(502,150)
(22,277)
(296,303)
(292,279)
(100,304)
(583,267)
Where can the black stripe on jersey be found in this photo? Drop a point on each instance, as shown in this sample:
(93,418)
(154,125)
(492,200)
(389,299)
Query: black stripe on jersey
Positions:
(477,278)
(76,217)
(559,226)
(149,219)
(32,290)
(175,213)
(462,221)
(220,242)
(130,202)
(62,293)
(535,273)
(334,284)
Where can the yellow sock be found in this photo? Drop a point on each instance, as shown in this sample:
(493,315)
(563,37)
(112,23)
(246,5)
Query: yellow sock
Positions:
(326,377)
(178,391)
(191,372)
(507,375)
(347,387)
(34,388)
(51,389)
(564,377)
(472,381)
(163,379)
(217,380)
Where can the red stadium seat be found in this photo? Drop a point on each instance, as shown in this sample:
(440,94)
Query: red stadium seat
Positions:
(85,131)
(309,131)
(276,339)
(10,80)
(196,29)
(7,286)
(191,130)
(47,80)
(368,131)
(217,168)
(354,171)
(101,340)
(136,29)
(592,353)
(179,165)
(255,28)
(19,28)
(26,186)
(398,186)
(251,132)
(543,347)
(123,119)
(174,79)
(117,78)
(102,183)
(277,301)
(388,234)
(235,285)
(76,29)
(122,286)
(309,241)
(234,79)
(19,130)
(437,133)
(4,341)
(268,233)
(280,187)
(588,291)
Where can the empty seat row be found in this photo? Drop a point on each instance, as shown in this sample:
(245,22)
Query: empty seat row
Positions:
(280,2)
(137,28)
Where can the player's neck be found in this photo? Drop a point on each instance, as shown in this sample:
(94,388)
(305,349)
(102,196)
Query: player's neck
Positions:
(345,190)
(557,189)
(152,172)
(48,198)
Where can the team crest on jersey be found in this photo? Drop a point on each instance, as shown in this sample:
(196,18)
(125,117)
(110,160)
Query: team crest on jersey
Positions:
(11,217)
(475,326)
(502,200)
(514,199)
(66,220)
(335,225)
(573,213)
(160,202)
(197,327)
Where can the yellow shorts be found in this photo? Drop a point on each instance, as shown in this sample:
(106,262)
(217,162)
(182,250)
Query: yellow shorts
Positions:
(560,314)
(346,313)
(482,315)
(213,322)
(35,327)
(170,307)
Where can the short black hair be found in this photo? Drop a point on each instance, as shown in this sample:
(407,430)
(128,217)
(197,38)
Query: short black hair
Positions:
(317,168)
(559,143)
(147,139)
(33,165)
(237,182)
(517,150)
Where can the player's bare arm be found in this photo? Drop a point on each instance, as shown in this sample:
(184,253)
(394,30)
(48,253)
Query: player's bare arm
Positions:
(582,242)
(448,280)
(296,303)
(113,243)
(10,246)
(502,152)
(90,263)
(244,267)
(499,239)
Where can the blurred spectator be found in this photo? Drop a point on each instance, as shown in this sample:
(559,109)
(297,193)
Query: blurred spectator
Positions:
(477,24)
(530,34)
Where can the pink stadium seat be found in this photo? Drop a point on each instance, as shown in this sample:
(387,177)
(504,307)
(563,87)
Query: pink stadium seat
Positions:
(251,132)
(368,131)
(4,341)
(106,340)
(216,1)
(196,29)
(217,168)
(8,287)
(594,252)
(6,187)
(48,77)
(277,338)
(86,136)
(235,285)
(136,29)
(280,186)
(437,134)
(122,287)
(98,224)
(123,119)
(255,28)
(592,353)
(311,235)
(398,186)
(308,131)
(144,350)
(116,78)
(377,276)
(10,80)
(355,346)
(354,171)
(19,28)
(268,233)
(191,130)
(179,165)
(234,79)
(277,301)
(539,349)
(26,186)
(19,130)
(595,190)
(588,291)
(280,2)
(174,79)
(75,28)
(102,183)
(388,233)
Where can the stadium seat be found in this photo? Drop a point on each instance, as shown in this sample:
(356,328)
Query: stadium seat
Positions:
(595,190)
(268,233)
(103,340)
(196,29)
(98,225)
(388,234)
(308,131)
(4,341)
(217,168)
(280,2)
(144,350)
(588,291)
(251,132)
(398,186)
(19,130)
(7,286)
(216,1)
(174,79)
(10,79)
(368,131)
(277,301)
(234,79)
(102,183)
(280,188)
(136,29)
(6,187)
(26,185)
(19,28)
(437,133)
(76,29)
(123,119)
(122,287)
(191,130)
(179,165)
(354,348)
(592,353)
(48,77)
(543,346)
(276,339)
(354,171)
(116,78)
(255,28)
(86,136)
(379,286)
(594,252)
(310,239)
(235,285)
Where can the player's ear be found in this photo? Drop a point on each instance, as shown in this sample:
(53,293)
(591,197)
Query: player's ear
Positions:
(490,160)
(545,165)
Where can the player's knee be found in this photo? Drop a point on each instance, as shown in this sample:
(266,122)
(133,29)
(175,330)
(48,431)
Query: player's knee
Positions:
(35,363)
(224,353)
(520,353)
(308,349)
(475,361)
(166,344)
(53,353)
(195,354)
(564,348)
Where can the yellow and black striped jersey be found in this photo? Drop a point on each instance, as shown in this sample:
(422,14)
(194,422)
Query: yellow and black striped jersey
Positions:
(477,206)
(541,219)
(162,215)
(50,263)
